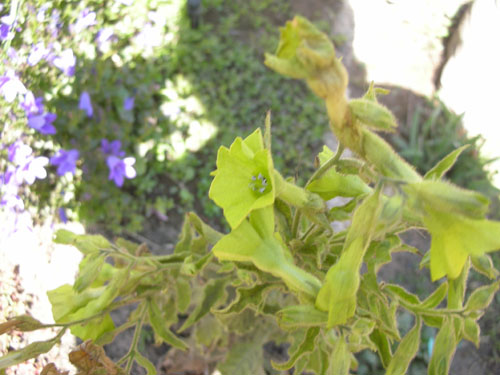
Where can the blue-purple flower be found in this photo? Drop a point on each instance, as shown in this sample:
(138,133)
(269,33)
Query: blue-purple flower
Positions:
(119,169)
(11,86)
(65,161)
(128,103)
(43,123)
(62,215)
(38,53)
(66,62)
(32,105)
(4,31)
(33,169)
(18,153)
(86,104)
(85,19)
(112,148)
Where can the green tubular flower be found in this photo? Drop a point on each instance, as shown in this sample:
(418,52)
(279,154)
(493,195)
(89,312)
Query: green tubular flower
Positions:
(244,179)
(255,241)
(455,237)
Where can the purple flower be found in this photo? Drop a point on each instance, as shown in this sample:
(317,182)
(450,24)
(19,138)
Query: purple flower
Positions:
(120,168)
(12,202)
(32,105)
(18,153)
(65,160)
(10,86)
(54,24)
(33,169)
(4,31)
(62,215)
(66,62)
(85,19)
(128,103)
(43,123)
(103,36)
(85,104)
(112,148)
(38,53)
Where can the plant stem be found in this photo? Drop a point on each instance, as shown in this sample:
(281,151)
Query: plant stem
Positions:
(329,163)
(133,347)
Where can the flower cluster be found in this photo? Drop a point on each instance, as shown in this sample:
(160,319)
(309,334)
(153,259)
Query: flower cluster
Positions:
(28,160)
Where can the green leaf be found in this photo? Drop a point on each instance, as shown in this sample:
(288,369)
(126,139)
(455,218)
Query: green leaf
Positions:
(383,347)
(455,237)
(481,298)
(445,164)
(183,290)
(471,331)
(212,293)
(206,231)
(208,330)
(307,345)
(23,323)
(444,348)
(159,326)
(89,269)
(338,293)
(65,300)
(402,294)
(31,351)
(341,358)
(145,363)
(301,316)
(406,351)
(484,265)
(373,114)
(247,297)
(436,297)
(243,358)
(86,243)
(93,329)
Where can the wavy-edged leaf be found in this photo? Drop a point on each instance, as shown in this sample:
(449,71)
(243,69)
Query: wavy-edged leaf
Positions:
(212,293)
(89,269)
(160,328)
(86,243)
(306,346)
(482,297)
(402,294)
(243,358)
(445,164)
(301,316)
(183,294)
(31,351)
(383,346)
(406,351)
(484,265)
(436,297)
(471,331)
(247,297)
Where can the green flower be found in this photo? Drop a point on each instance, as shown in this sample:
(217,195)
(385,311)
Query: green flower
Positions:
(455,237)
(255,241)
(304,52)
(244,179)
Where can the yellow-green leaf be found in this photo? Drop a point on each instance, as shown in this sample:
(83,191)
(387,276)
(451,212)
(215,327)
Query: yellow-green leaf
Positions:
(406,351)
(444,164)
(159,326)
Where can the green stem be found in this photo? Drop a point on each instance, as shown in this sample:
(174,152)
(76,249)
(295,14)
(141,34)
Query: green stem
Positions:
(329,164)
(133,347)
